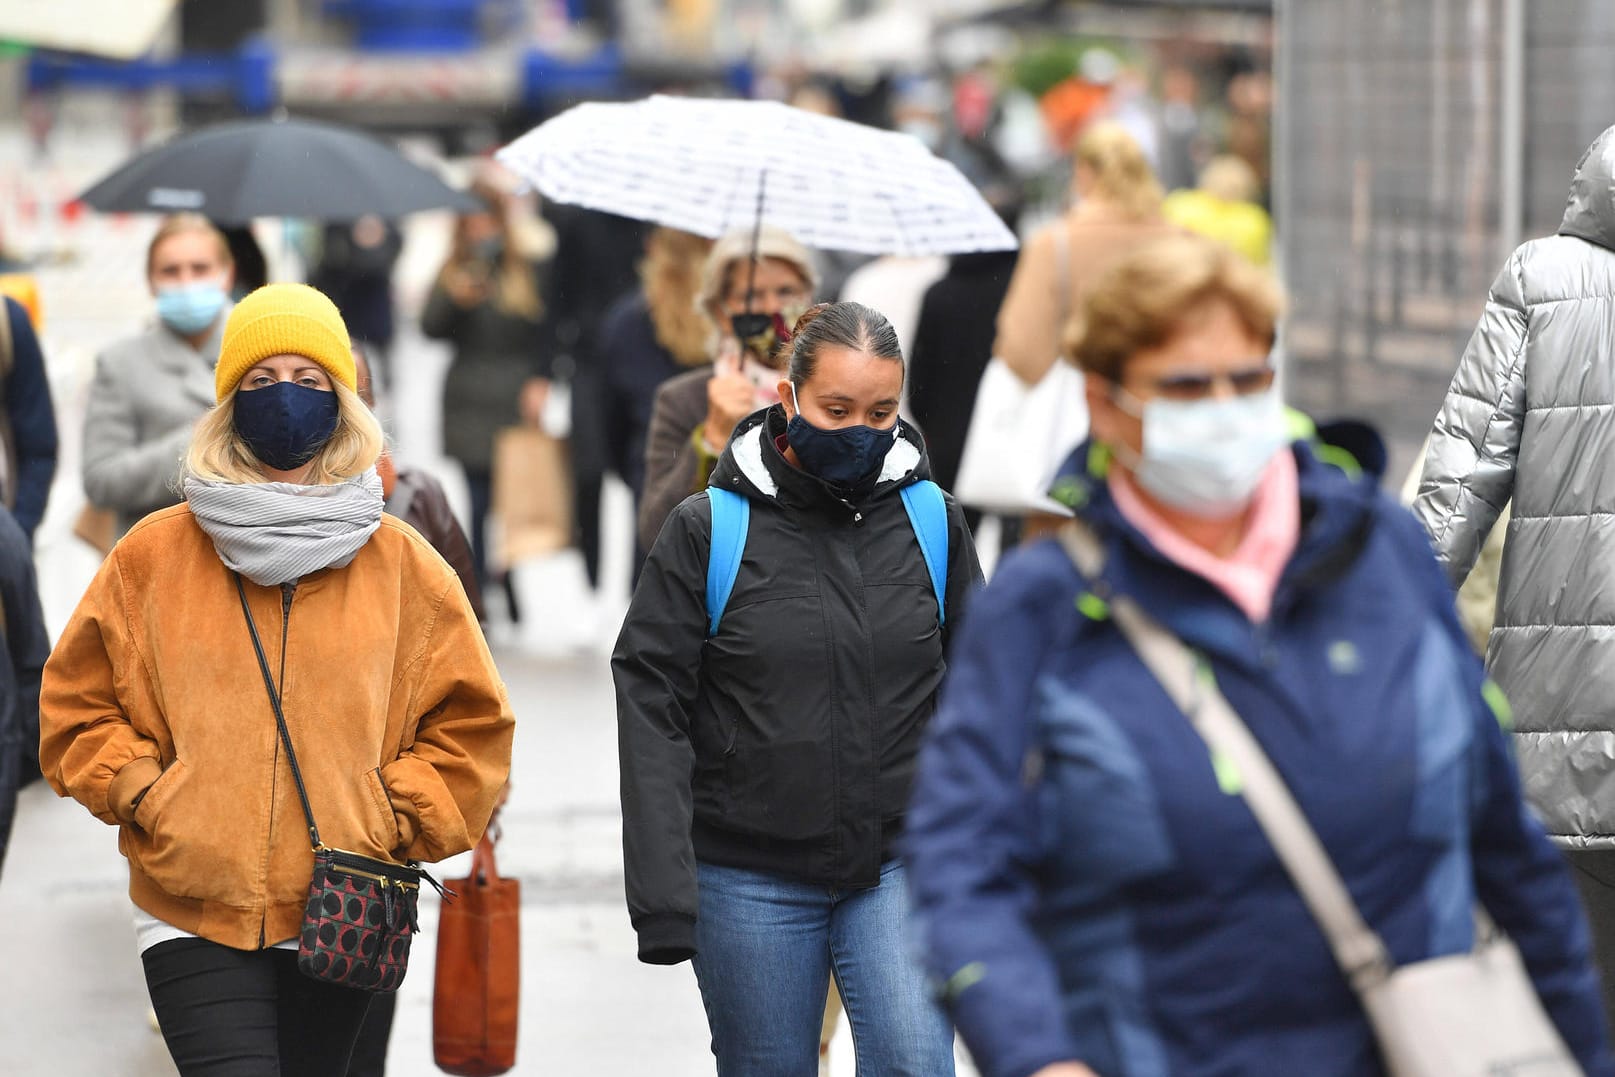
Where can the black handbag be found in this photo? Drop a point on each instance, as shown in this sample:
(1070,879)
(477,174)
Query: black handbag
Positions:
(360,916)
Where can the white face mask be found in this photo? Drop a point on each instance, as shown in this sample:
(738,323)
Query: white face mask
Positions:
(1206,457)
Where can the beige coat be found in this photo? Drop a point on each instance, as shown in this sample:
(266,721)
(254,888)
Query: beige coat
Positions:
(1036,308)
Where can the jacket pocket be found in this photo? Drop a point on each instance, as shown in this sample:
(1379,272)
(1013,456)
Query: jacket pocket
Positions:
(383,821)
(147,814)
(781,789)
(195,836)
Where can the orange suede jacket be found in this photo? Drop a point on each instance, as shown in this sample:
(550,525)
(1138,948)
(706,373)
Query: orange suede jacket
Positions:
(400,722)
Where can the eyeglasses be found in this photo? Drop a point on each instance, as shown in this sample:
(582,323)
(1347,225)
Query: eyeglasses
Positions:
(1247,381)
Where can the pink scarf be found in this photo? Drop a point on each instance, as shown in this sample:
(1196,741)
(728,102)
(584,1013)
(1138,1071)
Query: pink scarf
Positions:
(1251,576)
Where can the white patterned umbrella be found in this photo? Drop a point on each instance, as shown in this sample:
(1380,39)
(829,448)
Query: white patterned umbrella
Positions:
(712,166)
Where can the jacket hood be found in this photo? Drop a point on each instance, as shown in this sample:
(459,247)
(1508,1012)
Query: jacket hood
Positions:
(1590,209)
(752,463)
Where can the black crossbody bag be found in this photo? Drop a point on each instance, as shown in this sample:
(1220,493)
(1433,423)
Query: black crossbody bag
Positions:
(360,916)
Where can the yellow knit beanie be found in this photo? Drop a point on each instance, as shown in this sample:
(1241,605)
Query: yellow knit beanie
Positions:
(283,319)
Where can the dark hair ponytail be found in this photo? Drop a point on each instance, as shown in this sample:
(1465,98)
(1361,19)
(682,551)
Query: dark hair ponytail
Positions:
(839,325)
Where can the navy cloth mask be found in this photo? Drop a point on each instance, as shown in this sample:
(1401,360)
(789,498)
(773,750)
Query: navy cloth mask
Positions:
(285,424)
(847,457)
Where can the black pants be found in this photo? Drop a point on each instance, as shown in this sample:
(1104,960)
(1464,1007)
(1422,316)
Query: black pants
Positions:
(249,1013)
(480,486)
(1594,870)
(370,1050)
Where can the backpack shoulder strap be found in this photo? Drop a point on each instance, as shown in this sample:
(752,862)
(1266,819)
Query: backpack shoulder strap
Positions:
(731,517)
(928,514)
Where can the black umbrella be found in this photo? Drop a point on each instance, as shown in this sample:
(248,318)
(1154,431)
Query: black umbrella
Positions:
(234,172)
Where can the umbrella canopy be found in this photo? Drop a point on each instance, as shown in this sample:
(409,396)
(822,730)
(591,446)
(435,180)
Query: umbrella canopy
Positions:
(711,167)
(234,172)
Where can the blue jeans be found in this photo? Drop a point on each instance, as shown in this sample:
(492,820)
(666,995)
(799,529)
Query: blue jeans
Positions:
(766,947)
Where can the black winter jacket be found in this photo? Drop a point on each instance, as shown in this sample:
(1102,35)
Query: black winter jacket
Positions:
(786,743)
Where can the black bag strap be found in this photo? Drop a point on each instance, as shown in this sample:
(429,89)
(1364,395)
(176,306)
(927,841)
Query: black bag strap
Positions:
(280,718)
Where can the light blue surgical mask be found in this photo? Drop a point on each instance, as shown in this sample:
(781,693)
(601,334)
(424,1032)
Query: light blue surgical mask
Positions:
(1205,457)
(188,309)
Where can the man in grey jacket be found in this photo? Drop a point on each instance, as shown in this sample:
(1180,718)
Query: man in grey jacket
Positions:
(150,389)
(1531,416)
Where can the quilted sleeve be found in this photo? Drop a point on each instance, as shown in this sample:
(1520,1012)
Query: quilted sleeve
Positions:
(1468,475)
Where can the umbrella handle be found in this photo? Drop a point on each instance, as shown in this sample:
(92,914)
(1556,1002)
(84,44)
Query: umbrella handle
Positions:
(756,237)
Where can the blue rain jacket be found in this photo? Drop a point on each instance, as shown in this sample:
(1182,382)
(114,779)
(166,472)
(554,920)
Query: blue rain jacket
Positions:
(1088,885)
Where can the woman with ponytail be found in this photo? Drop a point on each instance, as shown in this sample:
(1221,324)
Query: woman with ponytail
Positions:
(767,738)
(1117,208)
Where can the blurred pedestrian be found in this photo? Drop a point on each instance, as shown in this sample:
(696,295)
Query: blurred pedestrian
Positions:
(418,499)
(1182,141)
(486,303)
(953,343)
(650,335)
(28,423)
(27,645)
(766,743)
(773,279)
(1531,417)
(1118,207)
(355,268)
(596,261)
(1224,208)
(1248,126)
(147,718)
(150,389)
(1092,886)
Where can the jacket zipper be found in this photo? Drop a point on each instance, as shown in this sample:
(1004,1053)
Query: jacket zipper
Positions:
(393,880)
(286,592)
(385,880)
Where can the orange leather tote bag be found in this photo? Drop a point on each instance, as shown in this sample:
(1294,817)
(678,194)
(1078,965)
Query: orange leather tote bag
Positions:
(476,995)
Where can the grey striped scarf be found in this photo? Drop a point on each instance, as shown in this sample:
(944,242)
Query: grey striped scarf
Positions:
(275,532)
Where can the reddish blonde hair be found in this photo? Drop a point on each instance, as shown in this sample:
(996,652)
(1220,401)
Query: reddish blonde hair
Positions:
(1142,301)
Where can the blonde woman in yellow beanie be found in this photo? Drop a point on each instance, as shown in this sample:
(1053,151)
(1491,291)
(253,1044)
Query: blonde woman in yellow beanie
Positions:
(156,713)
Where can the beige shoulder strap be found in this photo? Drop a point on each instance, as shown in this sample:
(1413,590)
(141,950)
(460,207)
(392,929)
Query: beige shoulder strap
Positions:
(1062,270)
(1189,683)
(6,343)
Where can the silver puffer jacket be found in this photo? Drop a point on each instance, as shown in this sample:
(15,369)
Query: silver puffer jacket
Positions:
(1531,415)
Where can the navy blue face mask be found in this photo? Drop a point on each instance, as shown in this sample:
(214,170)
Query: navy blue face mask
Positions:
(847,457)
(285,424)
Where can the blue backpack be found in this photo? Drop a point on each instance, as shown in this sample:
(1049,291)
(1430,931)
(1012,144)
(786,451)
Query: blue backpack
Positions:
(731,517)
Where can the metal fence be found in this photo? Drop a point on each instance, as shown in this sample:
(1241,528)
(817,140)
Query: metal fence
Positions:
(1418,141)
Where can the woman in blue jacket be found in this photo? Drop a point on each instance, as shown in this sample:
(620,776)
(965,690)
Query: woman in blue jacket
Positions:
(1092,890)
